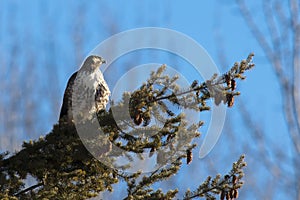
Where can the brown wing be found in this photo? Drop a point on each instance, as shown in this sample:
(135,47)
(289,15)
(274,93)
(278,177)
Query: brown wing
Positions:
(67,100)
(101,96)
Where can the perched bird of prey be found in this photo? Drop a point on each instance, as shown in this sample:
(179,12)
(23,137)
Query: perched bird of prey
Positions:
(86,93)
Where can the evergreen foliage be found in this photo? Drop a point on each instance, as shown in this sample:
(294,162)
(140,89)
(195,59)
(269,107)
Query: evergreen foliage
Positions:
(65,169)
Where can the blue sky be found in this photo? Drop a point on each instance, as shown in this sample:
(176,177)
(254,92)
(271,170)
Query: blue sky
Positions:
(41,26)
(46,41)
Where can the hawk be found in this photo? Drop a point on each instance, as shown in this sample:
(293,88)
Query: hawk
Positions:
(86,93)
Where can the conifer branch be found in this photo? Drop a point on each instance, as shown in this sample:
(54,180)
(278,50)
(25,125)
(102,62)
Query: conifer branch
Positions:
(64,168)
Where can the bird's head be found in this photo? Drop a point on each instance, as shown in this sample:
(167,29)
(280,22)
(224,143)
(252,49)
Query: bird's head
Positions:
(93,62)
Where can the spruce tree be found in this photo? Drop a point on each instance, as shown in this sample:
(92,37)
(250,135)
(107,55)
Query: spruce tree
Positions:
(65,169)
